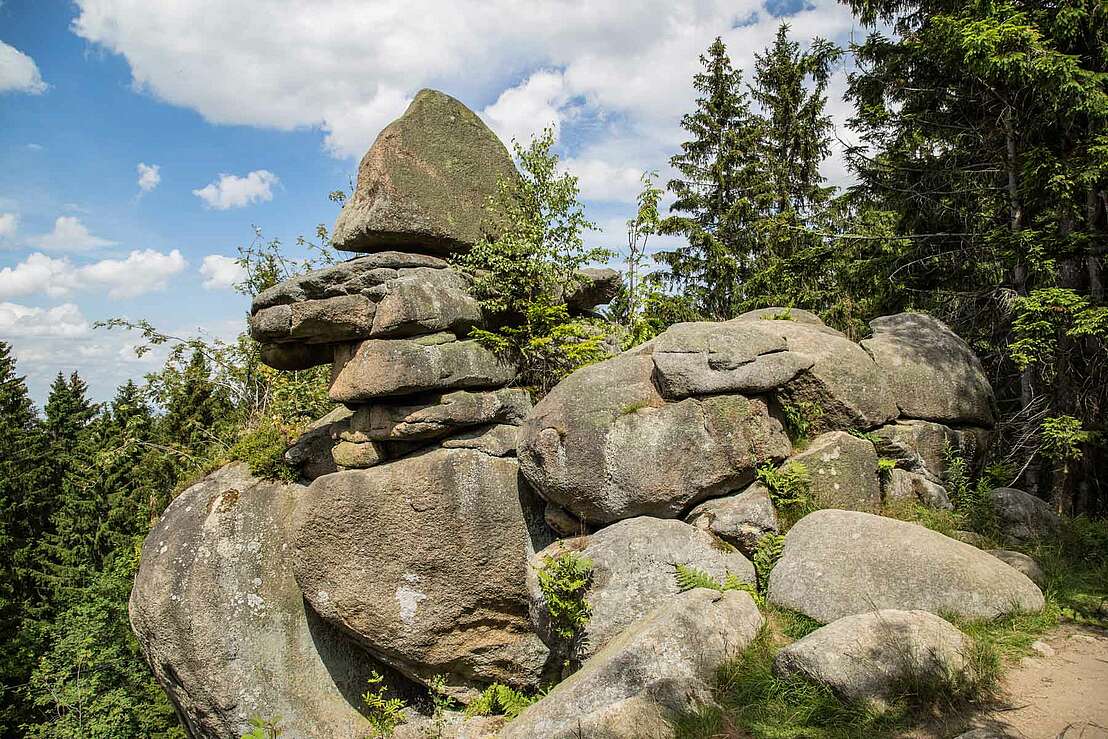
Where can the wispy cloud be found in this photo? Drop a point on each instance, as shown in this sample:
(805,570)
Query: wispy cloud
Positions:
(69,234)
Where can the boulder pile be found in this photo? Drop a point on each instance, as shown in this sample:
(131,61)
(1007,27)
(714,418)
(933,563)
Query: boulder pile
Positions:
(447,535)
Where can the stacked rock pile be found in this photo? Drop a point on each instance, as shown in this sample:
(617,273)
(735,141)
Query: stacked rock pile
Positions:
(438,498)
(393,321)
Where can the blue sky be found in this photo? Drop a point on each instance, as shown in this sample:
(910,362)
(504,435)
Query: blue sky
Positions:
(282,97)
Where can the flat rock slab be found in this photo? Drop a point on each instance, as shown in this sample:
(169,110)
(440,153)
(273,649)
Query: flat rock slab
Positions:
(840,563)
(223,625)
(605,445)
(843,472)
(426,181)
(296,357)
(358,276)
(872,656)
(664,662)
(424,560)
(933,373)
(380,368)
(633,571)
(705,358)
(437,415)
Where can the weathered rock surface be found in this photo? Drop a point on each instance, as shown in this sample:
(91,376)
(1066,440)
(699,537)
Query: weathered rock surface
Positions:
(844,384)
(934,374)
(780,314)
(363,275)
(1022,516)
(596,286)
(1023,563)
(358,454)
(311,452)
(224,627)
(425,182)
(839,563)
(441,414)
(633,570)
(843,471)
(451,725)
(423,301)
(920,444)
(378,368)
(424,560)
(911,486)
(605,445)
(736,357)
(662,663)
(870,656)
(740,520)
(499,440)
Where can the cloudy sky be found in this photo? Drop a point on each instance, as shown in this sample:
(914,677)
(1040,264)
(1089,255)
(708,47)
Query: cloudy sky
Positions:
(143,140)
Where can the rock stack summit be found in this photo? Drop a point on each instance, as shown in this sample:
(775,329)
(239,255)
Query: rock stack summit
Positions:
(435,495)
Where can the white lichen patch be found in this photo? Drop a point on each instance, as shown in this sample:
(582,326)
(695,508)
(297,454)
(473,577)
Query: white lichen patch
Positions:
(409,599)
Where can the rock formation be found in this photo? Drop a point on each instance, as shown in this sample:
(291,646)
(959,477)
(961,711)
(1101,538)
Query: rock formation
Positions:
(414,548)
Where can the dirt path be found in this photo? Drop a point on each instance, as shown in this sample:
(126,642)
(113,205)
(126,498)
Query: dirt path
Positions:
(1062,691)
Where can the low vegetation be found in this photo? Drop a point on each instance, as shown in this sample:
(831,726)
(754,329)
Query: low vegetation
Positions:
(564,579)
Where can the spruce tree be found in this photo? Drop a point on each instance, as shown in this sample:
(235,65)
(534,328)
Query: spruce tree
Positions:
(717,193)
(985,127)
(22,488)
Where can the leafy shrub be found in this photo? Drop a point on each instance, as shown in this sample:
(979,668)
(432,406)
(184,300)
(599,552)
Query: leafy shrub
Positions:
(384,714)
(971,499)
(263,449)
(563,581)
(885,466)
(500,700)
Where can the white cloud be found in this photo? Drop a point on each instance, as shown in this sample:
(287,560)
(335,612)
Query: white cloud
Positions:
(63,321)
(69,234)
(149,176)
(600,180)
(231,191)
(18,72)
(141,272)
(618,74)
(220,272)
(531,106)
(9,224)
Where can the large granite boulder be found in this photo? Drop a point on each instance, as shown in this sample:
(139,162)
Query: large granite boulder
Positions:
(740,520)
(843,386)
(425,301)
(425,183)
(633,570)
(839,563)
(662,664)
(780,314)
(605,445)
(378,368)
(1022,516)
(424,560)
(224,627)
(843,472)
(873,656)
(934,374)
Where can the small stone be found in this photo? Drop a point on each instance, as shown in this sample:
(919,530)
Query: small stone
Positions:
(740,520)
(498,440)
(563,522)
(843,472)
(1023,563)
(903,485)
(353,455)
(1042,649)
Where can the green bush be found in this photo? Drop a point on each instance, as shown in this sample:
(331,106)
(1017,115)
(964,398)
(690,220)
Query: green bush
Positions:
(263,449)
(766,553)
(383,713)
(563,581)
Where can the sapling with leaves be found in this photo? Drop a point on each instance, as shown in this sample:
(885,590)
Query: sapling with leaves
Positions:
(523,273)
